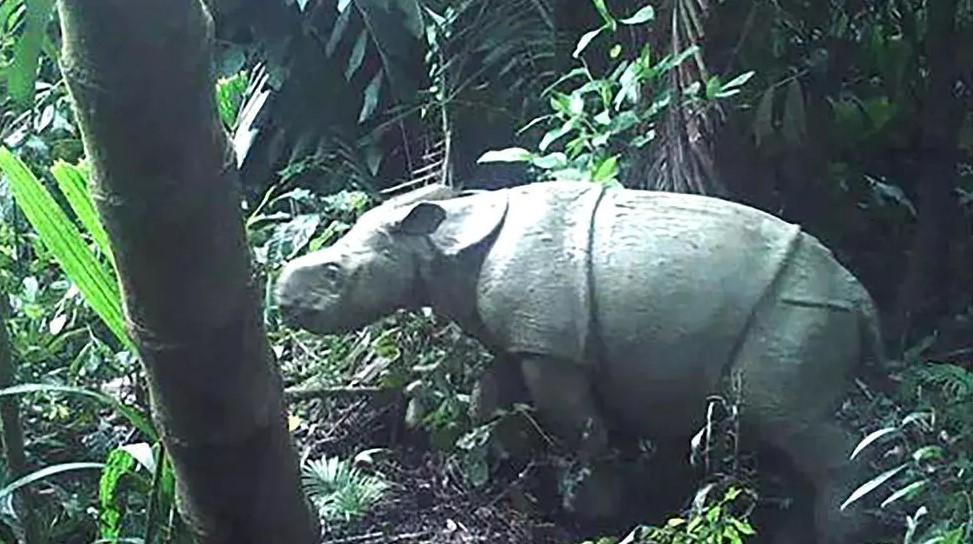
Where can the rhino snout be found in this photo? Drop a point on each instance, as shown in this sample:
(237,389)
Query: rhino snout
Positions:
(302,289)
(297,315)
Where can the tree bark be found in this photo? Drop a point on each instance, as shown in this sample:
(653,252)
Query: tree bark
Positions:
(924,292)
(165,185)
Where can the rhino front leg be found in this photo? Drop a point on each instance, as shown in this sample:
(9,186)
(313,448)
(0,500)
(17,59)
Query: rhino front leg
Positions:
(564,398)
(499,389)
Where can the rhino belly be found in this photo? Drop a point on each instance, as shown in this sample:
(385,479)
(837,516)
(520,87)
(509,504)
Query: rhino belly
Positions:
(674,281)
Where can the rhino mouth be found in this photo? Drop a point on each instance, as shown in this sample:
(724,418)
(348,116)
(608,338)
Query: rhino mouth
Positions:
(296,315)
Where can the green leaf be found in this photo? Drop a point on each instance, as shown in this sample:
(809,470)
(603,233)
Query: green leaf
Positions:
(615,51)
(629,86)
(93,279)
(576,104)
(738,81)
(556,134)
(606,171)
(395,28)
(43,473)
(605,14)
(908,490)
(371,97)
(337,32)
(642,139)
(576,72)
(230,92)
(357,55)
(135,418)
(551,161)
(73,183)
(872,485)
(7,7)
(112,507)
(624,121)
(671,62)
(643,15)
(927,452)
(561,103)
(712,87)
(872,437)
(510,154)
(27,51)
(586,40)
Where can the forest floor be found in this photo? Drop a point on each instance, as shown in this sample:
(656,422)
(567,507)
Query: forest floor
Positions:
(427,500)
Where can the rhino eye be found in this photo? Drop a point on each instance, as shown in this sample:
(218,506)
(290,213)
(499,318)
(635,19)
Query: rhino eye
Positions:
(331,271)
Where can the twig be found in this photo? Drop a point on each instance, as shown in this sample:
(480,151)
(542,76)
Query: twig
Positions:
(406,185)
(520,478)
(296,394)
(375,536)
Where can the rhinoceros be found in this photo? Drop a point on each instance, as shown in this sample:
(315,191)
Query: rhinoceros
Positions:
(629,303)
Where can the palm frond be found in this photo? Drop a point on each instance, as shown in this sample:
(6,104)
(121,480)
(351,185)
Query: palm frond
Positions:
(682,158)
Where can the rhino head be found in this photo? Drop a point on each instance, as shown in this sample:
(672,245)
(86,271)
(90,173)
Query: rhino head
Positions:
(378,266)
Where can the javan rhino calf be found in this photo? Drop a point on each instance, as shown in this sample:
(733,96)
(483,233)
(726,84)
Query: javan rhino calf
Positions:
(635,303)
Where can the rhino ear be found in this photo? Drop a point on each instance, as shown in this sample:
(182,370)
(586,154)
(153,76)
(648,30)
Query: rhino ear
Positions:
(423,218)
(469,221)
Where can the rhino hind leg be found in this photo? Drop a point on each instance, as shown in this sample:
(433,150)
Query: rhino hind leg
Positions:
(820,451)
(795,366)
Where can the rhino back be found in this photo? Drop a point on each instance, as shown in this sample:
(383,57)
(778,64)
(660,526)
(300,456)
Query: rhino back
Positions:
(675,279)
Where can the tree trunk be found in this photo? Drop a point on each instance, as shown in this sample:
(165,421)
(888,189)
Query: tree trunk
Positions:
(167,190)
(924,292)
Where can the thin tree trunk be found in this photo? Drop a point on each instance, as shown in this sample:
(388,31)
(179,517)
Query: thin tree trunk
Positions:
(167,190)
(923,293)
(13,432)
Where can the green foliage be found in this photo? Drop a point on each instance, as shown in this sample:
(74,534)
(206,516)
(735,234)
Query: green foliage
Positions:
(926,472)
(288,222)
(601,118)
(368,59)
(112,507)
(717,522)
(720,520)
(133,489)
(21,75)
(136,419)
(94,279)
(230,92)
(392,29)
(339,489)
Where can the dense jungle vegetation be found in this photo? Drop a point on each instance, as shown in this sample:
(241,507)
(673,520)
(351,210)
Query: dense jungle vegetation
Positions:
(851,118)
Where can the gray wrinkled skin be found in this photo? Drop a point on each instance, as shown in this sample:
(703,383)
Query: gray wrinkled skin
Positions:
(640,302)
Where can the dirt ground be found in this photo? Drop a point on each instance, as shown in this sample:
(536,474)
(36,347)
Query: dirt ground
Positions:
(428,500)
